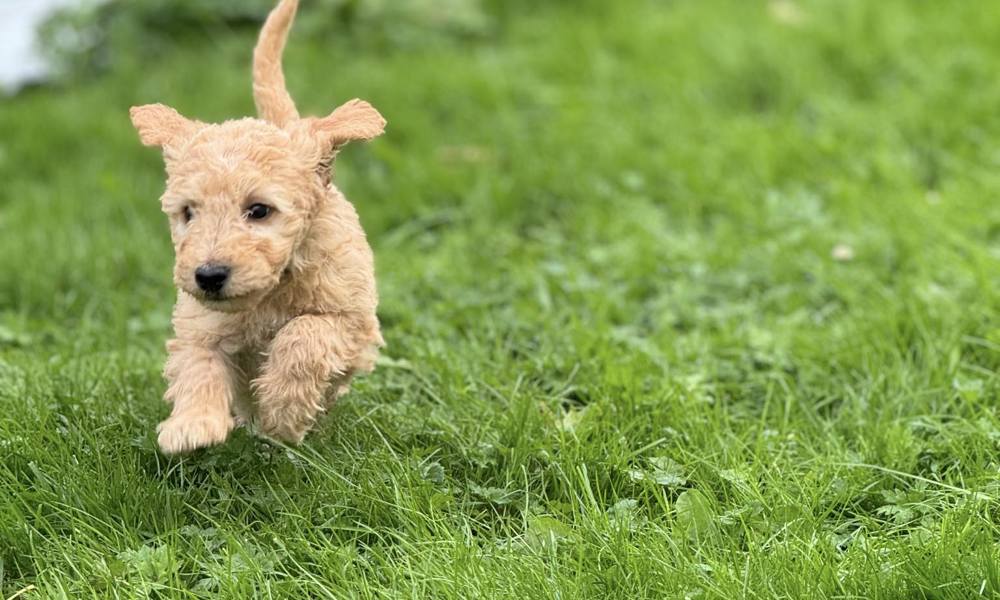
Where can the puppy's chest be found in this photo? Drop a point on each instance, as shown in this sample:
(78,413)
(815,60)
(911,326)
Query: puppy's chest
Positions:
(252,333)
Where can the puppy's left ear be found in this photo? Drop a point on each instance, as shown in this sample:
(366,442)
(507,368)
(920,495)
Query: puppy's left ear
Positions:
(321,138)
(353,121)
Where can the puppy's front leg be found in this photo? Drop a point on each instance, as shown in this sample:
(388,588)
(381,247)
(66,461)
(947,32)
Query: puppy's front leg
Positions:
(305,355)
(201,388)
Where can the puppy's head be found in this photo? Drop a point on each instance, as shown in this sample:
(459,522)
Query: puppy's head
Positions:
(240,195)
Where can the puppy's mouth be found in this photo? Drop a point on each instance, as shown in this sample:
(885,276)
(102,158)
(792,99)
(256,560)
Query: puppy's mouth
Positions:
(224,302)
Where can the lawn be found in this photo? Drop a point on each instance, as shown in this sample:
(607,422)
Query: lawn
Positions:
(690,299)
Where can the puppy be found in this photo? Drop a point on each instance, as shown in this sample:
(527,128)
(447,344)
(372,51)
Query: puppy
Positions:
(276,282)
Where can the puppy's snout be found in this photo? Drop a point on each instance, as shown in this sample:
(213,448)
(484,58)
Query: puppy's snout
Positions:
(211,278)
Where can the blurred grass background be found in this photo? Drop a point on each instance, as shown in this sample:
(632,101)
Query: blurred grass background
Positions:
(682,299)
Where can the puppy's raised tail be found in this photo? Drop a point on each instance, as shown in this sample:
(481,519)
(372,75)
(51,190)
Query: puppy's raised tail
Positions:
(273,101)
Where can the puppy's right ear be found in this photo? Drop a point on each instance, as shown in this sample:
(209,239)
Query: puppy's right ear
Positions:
(160,125)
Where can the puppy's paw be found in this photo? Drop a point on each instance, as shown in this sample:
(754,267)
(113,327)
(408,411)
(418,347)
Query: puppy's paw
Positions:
(183,432)
(284,427)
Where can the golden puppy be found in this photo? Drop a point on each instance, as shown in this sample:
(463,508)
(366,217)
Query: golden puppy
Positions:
(276,282)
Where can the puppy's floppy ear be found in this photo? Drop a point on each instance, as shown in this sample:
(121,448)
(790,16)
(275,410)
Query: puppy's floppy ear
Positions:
(353,121)
(160,125)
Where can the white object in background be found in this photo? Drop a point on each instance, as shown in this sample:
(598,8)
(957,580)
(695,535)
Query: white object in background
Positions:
(20,60)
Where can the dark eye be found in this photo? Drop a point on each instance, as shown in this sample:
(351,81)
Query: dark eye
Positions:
(256,212)
(187,214)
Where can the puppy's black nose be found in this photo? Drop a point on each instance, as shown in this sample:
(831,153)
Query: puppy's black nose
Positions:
(211,278)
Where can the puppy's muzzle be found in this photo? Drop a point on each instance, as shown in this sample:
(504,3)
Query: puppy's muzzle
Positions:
(211,278)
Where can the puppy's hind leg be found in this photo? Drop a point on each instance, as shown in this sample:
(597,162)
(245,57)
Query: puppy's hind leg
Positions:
(201,388)
(306,355)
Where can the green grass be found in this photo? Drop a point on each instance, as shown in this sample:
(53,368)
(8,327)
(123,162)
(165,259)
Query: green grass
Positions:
(622,359)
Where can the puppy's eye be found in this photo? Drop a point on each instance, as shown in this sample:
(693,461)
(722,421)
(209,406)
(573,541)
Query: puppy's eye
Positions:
(257,212)
(187,214)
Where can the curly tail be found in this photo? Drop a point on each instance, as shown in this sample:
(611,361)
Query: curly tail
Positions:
(273,101)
